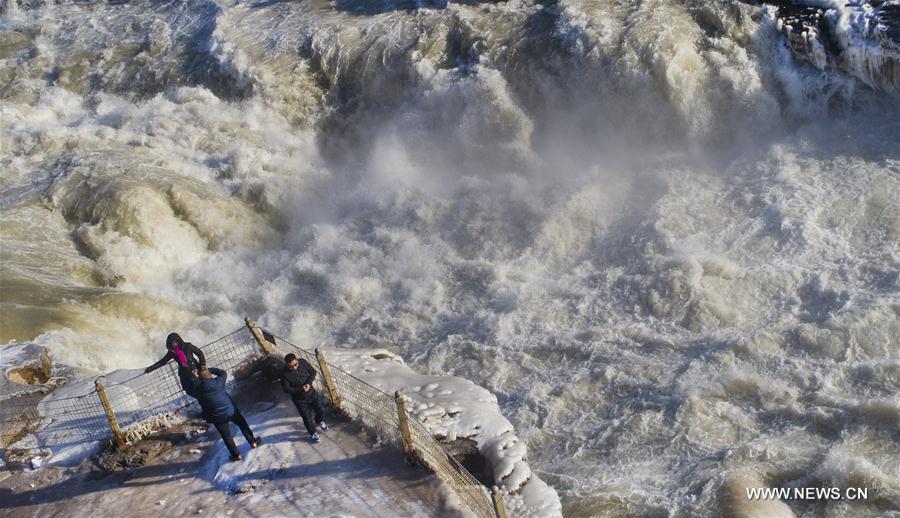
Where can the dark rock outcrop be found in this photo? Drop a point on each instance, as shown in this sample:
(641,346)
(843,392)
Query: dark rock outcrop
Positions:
(861,39)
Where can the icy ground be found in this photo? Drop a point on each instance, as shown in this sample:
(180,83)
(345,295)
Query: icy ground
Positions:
(286,476)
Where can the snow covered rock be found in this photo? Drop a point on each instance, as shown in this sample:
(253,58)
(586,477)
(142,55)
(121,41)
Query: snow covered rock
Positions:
(454,409)
(27,369)
(27,377)
(861,38)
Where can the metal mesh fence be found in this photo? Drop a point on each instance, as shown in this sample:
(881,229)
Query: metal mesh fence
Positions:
(367,404)
(63,421)
(18,418)
(451,472)
(72,420)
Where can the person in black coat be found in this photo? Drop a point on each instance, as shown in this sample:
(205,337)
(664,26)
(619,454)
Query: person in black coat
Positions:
(219,409)
(297,379)
(188,356)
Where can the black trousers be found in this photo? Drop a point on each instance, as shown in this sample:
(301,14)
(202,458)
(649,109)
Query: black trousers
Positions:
(187,383)
(310,411)
(224,428)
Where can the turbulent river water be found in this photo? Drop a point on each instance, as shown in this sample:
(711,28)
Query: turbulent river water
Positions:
(668,246)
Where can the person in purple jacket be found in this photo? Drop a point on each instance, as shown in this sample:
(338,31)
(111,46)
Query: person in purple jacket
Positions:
(188,356)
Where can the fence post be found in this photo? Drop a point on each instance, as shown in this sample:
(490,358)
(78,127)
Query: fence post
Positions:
(329,381)
(497,497)
(110,416)
(257,333)
(405,434)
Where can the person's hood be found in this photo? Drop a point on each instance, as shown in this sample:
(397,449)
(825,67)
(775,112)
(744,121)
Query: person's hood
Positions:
(174,339)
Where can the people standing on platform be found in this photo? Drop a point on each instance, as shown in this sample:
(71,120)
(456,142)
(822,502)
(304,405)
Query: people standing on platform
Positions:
(189,358)
(297,380)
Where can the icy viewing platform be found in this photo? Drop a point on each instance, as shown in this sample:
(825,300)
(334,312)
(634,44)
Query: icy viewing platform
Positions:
(286,476)
(473,462)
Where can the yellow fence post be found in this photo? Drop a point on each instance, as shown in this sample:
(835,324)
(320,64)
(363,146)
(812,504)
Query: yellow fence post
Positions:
(257,333)
(497,497)
(405,433)
(110,416)
(327,379)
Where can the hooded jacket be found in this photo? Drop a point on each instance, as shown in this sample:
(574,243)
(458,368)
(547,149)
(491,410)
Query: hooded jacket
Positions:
(193,355)
(292,381)
(213,399)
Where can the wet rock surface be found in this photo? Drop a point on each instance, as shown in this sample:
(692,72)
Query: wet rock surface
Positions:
(132,456)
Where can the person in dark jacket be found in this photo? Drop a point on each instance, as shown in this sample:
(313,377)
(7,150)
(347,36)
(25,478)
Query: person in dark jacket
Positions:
(188,356)
(297,379)
(219,409)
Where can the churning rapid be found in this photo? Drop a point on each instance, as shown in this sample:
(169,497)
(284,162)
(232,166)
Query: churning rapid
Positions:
(669,245)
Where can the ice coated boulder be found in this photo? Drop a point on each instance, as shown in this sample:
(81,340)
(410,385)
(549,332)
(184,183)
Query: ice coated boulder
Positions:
(862,39)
